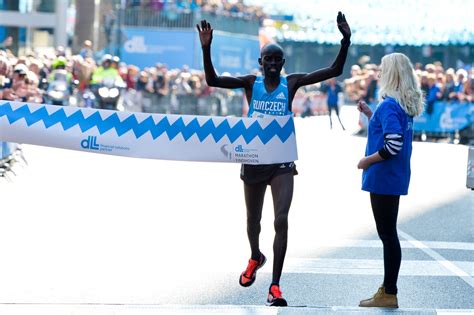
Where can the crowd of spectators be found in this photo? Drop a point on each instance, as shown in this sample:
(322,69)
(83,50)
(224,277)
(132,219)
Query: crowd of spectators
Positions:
(153,89)
(235,8)
(20,78)
(178,91)
(437,83)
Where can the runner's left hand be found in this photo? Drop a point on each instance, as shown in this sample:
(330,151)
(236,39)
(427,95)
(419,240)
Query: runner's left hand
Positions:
(343,26)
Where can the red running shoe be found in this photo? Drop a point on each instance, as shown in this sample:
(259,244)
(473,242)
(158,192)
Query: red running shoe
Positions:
(274,297)
(247,278)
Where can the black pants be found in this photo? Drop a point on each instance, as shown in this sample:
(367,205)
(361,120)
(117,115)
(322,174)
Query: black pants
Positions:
(385,209)
(335,108)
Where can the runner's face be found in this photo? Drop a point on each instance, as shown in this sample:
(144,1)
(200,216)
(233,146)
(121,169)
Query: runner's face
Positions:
(272,62)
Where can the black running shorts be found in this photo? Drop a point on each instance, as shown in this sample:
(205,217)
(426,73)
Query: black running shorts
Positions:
(254,174)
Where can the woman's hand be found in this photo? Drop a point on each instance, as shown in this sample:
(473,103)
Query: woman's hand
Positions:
(364,108)
(363,164)
(343,26)
(367,161)
(205,33)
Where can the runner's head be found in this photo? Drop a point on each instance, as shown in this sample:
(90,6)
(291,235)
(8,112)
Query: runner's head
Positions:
(271,60)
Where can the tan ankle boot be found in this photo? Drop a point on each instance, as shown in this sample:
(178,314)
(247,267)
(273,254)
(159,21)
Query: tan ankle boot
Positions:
(381,299)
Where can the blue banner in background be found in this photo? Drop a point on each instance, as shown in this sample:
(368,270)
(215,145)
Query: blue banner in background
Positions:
(446,117)
(145,47)
(234,54)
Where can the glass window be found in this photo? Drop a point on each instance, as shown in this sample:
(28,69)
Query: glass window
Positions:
(45,6)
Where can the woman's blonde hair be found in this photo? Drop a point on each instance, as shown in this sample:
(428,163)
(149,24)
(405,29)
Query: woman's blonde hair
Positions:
(398,80)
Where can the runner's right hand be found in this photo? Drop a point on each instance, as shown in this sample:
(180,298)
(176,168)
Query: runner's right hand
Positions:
(205,33)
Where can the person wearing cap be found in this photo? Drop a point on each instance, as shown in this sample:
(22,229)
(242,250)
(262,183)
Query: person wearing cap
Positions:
(19,74)
(13,91)
(115,62)
(105,71)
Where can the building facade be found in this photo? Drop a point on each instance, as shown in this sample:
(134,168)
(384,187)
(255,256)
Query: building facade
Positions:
(34,23)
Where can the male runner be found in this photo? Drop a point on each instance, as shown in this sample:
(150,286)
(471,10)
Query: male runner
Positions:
(280,90)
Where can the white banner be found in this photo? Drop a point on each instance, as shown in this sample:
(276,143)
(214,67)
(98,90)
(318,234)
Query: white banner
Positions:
(156,136)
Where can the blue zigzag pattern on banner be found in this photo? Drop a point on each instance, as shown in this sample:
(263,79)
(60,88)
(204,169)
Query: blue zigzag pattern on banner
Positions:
(148,125)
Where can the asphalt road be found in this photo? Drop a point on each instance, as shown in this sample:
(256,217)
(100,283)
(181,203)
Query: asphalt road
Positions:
(84,233)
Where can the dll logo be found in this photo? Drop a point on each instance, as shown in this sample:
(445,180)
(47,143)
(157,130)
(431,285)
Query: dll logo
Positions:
(90,143)
(135,45)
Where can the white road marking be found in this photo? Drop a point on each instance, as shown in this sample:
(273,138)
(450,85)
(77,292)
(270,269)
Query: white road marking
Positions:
(368,267)
(449,265)
(404,244)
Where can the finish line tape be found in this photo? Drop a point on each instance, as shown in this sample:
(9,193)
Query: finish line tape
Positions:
(156,136)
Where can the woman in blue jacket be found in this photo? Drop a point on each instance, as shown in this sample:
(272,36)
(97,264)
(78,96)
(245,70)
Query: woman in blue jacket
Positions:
(386,165)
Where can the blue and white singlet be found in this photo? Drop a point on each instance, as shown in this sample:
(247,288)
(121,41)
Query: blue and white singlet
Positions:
(273,104)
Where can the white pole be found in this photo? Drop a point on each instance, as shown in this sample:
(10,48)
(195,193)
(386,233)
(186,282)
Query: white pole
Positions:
(96,24)
(61,20)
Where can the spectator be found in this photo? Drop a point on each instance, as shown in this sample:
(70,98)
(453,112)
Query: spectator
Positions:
(60,51)
(86,51)
(468,90)
(449,86)
(424,82)
(32,93)
(430,68)
(332,90)
(143,82)
(434,93)
(370,87)
(19,74)
(86,68)
(131,78)
(461,75)
(16,91)
(161,84)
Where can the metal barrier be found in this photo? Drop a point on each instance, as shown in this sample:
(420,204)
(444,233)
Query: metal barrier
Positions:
(229,103)
(10,154)
(446,117)
(451,120)
(231,24)
(151,18)
(188,19)
(454,121)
